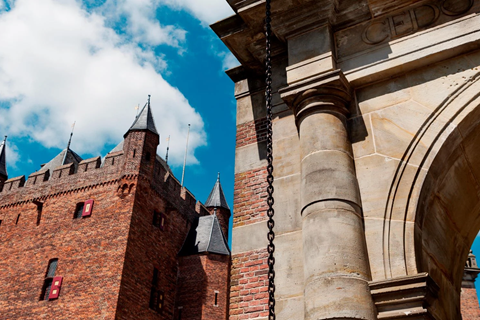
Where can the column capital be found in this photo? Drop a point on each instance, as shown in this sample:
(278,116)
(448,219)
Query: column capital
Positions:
(329,92)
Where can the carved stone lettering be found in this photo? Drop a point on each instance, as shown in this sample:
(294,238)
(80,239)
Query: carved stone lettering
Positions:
(377,32)
(456,7)
(410,21)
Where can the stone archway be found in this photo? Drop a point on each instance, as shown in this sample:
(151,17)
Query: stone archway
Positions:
(448,210)
(437,203)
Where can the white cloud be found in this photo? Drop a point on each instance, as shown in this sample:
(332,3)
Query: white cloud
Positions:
(12,154)
(207,11)
(140,22)
(60,64)
(228,60)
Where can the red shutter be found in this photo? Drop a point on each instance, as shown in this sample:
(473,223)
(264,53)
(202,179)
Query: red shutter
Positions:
(55,289)
(87,208)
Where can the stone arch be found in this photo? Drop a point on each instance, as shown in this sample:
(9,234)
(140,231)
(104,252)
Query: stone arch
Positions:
(438,201)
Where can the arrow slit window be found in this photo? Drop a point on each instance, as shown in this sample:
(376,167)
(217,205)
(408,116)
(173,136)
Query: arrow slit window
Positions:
(157,296)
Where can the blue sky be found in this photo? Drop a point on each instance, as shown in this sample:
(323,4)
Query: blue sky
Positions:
(93,61)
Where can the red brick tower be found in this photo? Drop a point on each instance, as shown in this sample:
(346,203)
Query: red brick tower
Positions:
(93,239)
(469,306)
(204,272)
(3,164)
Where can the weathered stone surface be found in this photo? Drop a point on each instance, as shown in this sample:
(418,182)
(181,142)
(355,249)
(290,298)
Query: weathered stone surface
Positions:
(408,136)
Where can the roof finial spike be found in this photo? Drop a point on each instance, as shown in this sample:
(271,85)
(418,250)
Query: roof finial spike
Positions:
(69,142)
(218,177)
(3,161)
(149,100)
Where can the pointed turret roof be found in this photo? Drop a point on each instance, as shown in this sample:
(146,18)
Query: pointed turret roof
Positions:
(217,197)
(61,159)
(144,120)
(3,161)
(205,237)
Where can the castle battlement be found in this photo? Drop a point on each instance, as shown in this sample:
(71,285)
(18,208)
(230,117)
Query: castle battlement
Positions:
(88,173)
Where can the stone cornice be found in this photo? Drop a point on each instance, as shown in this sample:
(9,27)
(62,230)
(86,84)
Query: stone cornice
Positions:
(328,92)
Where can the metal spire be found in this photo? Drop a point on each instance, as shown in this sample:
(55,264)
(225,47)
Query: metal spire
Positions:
(68,145)
(168,148)
(3,161)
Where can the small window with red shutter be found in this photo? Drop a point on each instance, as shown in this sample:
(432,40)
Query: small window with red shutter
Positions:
(52,283)
(87,208)
(83,209)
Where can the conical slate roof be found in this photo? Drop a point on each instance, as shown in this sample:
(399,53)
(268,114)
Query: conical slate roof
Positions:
(3,160)
(217,197)
(71,157)
(144,121)
(119,147)
(206,237)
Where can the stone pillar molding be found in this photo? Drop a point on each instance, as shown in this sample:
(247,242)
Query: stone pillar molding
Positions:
(336,266)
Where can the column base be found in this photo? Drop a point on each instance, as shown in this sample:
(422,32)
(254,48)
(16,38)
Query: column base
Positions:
(406,297)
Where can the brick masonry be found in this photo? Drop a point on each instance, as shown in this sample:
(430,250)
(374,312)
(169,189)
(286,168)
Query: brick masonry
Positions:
(251,132)
(249,285)
(106,260)
(469,304)
(249,197)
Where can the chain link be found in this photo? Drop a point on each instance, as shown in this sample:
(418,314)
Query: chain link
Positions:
(270,200)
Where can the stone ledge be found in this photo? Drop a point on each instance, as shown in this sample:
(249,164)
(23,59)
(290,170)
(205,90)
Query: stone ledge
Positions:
(405,297)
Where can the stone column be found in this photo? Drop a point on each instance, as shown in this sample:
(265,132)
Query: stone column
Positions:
(335,257)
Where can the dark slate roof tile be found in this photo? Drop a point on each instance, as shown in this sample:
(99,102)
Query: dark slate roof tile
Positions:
(144,121)
(206,236)
(71,157)
(217,197)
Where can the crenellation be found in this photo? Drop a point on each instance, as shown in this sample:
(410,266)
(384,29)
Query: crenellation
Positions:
(38,177)
(14,183)
(89,164)
(63,171)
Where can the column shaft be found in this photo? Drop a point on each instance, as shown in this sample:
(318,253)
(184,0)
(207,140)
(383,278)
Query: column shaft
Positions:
(335,258)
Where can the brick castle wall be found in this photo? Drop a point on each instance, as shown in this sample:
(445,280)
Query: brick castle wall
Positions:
(106,260)
(469,306)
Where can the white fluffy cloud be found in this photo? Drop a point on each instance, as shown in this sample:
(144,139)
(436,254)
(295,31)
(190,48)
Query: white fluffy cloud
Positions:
(207,11)
(140,22)
(60,64)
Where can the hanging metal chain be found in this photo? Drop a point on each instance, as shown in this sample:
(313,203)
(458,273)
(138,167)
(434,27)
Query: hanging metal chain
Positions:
(270,201)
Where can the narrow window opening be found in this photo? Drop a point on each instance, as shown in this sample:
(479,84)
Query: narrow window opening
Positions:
(39,212)
(60,174)
(158,220)
(0,222)
(180,309)
(156,295)
(134,152)
(47,285)
(11,185)
(113,161)
(18,218)
(86,167)
(34,180)
(216,299)
(78,210)
(147,156)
